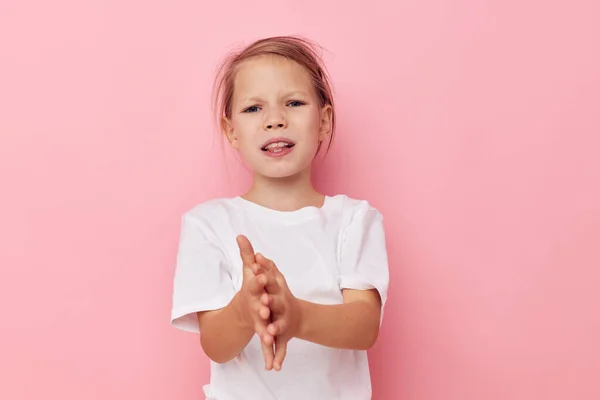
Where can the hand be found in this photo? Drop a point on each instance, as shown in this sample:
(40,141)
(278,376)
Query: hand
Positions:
(252,311)
(284,307)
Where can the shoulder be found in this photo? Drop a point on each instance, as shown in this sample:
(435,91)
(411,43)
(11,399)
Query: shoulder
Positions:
(209,215)
(210,208)
(353,207)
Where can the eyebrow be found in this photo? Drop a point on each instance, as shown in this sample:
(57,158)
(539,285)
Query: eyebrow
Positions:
(288,94)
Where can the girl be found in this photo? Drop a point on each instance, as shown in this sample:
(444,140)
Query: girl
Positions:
(281,272)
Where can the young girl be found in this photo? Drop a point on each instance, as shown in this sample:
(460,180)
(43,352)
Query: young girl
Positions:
(285,285)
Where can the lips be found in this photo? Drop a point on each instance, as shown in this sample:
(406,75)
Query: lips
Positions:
(277,144)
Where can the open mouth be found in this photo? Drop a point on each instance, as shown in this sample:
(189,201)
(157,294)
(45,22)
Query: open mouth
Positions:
(276,147)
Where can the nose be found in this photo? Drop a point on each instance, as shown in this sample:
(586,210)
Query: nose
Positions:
(271,126)
(275,120)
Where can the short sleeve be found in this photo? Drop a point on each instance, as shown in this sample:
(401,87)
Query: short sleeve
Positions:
(364,261)
(202,279)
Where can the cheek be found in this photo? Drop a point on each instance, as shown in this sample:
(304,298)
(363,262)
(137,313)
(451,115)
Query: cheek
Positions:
(309,122)
(315,126)
(243,131)
(247,142)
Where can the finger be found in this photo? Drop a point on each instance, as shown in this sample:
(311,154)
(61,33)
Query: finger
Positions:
(276,327)
(280,350)
(268,354)
(256,284)
(268,339)
(257,269)
(264,299)
(267,349)
(271,285)
(270,270)
(246,250)
(275,303)
(264,312)
(265,262)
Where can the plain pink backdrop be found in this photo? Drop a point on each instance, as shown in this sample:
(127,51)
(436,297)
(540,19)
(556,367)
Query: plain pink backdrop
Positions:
(472,125)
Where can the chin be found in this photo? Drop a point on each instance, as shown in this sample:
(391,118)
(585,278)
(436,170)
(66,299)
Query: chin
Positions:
(280,171)
(282,168)
(283,174)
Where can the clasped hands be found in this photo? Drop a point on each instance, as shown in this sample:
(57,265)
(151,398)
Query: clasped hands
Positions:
(267,304)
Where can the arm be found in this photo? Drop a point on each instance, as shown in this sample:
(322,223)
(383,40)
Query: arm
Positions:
(224,333)
(363,265)
(352,325)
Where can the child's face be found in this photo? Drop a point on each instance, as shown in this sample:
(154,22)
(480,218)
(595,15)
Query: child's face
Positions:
(274,98)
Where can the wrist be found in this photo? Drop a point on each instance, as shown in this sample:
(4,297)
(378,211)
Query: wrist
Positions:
(242,317)
(303,312)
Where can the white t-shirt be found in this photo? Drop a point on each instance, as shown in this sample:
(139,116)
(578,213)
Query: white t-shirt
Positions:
(319,251)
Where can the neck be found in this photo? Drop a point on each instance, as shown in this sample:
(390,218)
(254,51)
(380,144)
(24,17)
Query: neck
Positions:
(284,194)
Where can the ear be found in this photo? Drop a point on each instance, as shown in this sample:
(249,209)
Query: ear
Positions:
(228,131)
(326,122)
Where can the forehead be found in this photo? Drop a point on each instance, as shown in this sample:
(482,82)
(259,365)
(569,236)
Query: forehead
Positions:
(267,74)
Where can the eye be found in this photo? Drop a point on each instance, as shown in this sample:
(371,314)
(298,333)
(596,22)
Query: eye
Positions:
(251,109)
(295,103)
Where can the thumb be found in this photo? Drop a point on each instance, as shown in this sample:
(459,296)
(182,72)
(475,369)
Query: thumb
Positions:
(266,263)
(246,251)
(271,271)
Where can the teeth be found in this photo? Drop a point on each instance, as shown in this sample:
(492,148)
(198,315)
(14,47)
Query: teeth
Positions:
(277,144)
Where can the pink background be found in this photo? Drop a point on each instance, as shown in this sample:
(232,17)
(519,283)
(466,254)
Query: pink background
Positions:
(472,125)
